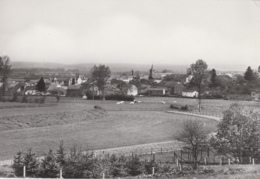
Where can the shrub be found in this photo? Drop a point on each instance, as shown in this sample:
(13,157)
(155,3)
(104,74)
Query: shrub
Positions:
(42,100)
(24,99)
(119,97)
(36,100)
(134,166)
(14,98)
(149,167)
(49,166)
(185,108)
(172,106)
(118,166)
(18,164)
(31,164)
(98,107)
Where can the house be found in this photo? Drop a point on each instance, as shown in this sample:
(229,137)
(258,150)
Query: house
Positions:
(190,94)
(29,90)
(157,77)
(15,87)
(188,79)
(156,91)
(255,96)
(125,79)
(75,91)
(178,88)
(132,90)
(55,88)
(174,87)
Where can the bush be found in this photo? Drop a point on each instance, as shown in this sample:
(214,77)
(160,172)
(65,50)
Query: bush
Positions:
(185,108)
(149,167)
(18,164)
(14,98)
(42,100)
(49,166)
(134,166)
(98,107)
(116,97)
(172,106)
(24,99)
(119,97)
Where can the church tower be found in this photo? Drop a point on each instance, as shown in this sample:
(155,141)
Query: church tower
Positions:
(151,73)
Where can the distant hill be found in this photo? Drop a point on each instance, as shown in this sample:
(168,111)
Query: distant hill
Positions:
(115,67)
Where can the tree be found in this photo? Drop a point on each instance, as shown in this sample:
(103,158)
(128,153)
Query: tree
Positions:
(238,133)
(41,85)
(31,164)
(213,77)
(18,164)
(61,155)
(5,70)
(49,166)
(73,81)
(199,72)
(100,74)
(194,134)
(249,75)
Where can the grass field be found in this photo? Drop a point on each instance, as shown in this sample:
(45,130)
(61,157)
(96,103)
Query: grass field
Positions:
(76,122)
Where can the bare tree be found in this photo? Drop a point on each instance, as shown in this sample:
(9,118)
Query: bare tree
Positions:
(194,134)
(5,70)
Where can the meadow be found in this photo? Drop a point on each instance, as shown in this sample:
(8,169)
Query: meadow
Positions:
(75,121)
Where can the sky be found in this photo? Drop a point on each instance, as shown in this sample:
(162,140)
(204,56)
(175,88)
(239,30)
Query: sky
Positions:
(221,32)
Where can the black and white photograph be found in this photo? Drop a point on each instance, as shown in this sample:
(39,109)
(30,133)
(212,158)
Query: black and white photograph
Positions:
(130,89)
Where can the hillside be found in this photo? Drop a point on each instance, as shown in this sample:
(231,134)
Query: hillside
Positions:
(115,67)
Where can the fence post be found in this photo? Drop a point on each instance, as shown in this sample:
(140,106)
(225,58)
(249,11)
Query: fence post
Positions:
(205,161)
(103,175)
(60,173)
(181,155)
(253,161)
(250,159)
(177,162)
(24,171)
(153,170)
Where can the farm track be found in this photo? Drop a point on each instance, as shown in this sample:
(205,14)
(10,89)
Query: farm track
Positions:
(196,115)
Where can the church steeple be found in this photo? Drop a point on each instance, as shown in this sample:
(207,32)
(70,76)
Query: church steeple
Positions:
(151,73)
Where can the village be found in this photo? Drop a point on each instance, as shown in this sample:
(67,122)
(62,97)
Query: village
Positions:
(150,83)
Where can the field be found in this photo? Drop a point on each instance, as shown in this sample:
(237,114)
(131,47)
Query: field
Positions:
(75,121)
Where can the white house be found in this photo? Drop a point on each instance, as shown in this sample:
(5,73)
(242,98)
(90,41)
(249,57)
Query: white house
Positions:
(188,79)
(132,90)
(190,94)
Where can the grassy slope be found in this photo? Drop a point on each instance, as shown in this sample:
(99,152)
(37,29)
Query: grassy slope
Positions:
(119,128)
(71,120)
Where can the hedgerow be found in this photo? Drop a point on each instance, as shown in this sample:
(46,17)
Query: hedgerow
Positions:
(77,164)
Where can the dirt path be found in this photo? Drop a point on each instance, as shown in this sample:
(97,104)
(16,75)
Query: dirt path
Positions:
(196,115)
